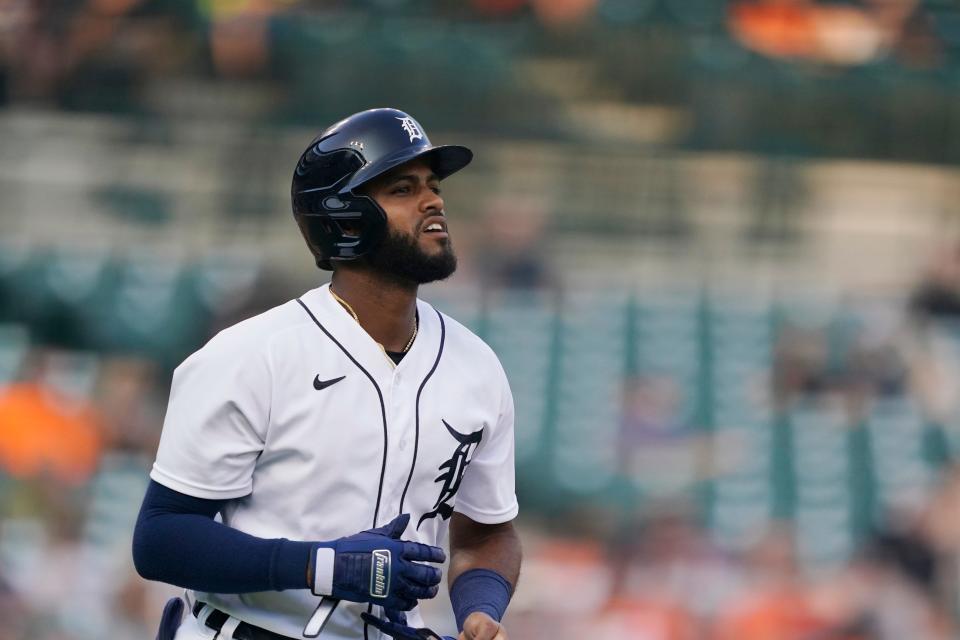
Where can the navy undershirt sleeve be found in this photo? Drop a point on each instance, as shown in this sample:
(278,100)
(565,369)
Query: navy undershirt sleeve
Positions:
(177,541)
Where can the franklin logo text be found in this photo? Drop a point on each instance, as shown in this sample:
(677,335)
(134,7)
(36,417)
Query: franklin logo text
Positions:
(452,472)
(380,573)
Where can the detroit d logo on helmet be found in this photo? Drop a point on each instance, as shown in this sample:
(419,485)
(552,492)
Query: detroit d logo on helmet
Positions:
(412,128)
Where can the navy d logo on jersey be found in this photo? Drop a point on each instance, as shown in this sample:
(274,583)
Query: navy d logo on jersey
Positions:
(380,574)
(453,470)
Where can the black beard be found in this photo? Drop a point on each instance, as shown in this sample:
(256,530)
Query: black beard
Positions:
(400,258)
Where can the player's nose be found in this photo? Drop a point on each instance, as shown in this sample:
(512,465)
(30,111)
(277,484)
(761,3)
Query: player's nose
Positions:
(431,202)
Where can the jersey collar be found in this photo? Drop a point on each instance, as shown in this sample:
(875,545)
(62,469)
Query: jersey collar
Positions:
(364,348)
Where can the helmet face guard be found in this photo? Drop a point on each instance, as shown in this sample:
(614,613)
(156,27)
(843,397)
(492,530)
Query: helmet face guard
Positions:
(340,161)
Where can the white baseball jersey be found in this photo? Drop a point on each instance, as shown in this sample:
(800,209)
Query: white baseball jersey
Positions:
(300,419)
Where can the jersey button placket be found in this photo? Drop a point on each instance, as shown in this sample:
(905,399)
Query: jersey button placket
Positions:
(398,407)
(401,419)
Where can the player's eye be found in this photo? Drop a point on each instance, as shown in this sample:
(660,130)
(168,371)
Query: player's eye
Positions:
(400,190)
(435,189)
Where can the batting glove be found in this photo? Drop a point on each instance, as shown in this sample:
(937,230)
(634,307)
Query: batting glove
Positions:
(377,566)
(395,626)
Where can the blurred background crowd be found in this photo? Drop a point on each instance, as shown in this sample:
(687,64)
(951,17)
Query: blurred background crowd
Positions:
(716,244)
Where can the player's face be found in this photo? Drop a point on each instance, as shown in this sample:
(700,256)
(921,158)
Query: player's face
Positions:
(417,246)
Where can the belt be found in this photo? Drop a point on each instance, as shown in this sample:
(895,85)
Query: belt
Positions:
(244,631)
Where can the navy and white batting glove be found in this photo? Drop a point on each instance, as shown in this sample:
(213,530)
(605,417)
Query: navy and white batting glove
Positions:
(377,566)
(395,626)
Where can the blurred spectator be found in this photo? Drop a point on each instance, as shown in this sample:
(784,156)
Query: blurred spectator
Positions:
(802,363)
(654,566)
(13,613)
(131,613)
(129,405)
(45,431)
(872,598)
(495,8)
(265,290)
(658,453)
(775,604)
(934,308)
(782,29)
(879,368)
(563,13)
(512,252)
(877,365)
(94,53)
(836,33)
(937,296)
(239,33)
(941,521)
(902,547)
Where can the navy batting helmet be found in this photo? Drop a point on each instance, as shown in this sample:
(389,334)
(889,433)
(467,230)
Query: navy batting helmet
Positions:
(345,157)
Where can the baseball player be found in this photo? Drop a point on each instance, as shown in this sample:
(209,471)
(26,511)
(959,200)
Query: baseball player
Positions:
(315,457)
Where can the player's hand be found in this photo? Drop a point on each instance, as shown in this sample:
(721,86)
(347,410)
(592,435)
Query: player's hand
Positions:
(395,626)
(377,566)
(480,626)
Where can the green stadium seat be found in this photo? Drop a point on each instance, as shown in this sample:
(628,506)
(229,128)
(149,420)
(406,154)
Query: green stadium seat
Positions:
(115,495)
(520,327)
(667,336)
(223,280)
(823,501)
(593,361)
(897,431)
(740,361)
(625,12)
(151,309)
(464,306)
(698,14)
(14,346)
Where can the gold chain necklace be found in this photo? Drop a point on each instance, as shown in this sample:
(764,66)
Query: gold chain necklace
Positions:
(346,305)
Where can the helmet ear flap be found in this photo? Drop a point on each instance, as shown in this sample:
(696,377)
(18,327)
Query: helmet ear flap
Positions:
(346,232)
(360,225)
(335,225)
